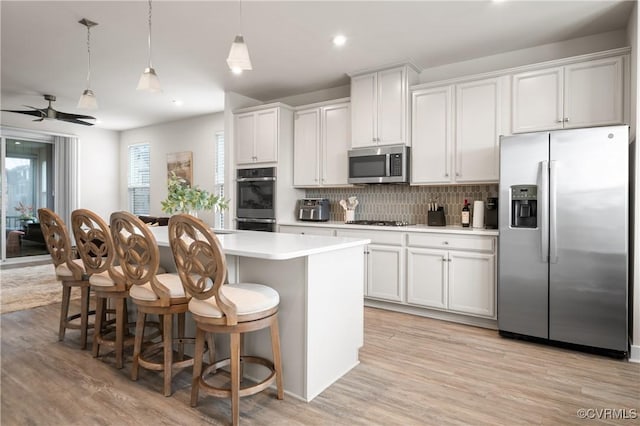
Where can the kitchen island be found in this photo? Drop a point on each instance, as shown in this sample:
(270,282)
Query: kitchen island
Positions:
(321,317)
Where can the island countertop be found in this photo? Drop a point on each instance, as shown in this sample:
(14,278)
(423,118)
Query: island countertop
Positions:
(271,245)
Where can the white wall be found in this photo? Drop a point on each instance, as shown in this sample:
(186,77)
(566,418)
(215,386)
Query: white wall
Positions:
(316,96)
(98,158)
(196,134)
(546,52)
(634,41)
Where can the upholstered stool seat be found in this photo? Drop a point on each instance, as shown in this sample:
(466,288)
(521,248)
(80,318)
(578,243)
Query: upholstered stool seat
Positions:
(248,299)
(144,292)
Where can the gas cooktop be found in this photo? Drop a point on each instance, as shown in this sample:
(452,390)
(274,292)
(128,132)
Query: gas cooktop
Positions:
(380,222)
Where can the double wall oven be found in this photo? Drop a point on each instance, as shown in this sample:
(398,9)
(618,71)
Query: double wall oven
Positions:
(256,199)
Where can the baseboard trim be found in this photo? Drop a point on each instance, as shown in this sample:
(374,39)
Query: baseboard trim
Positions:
(634,354)
(430,313)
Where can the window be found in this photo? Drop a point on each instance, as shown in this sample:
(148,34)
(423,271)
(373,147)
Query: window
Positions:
(138,180)
(219,187)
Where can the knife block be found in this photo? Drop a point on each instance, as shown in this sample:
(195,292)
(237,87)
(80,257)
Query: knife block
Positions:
(436,218)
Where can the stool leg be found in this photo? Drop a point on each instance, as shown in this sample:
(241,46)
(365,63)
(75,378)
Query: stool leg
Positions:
(120,325)
(168,352)
(137,344)
(197,365)
(181,331)
(235,378)
(84,315)
(277,359)
(64,310)
(241,365)
(212,348)
(97,326)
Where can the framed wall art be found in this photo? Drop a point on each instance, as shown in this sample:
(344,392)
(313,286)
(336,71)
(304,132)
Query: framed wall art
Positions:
(181,163)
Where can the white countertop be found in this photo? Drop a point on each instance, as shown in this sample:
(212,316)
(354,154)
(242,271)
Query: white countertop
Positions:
(449,229)
(271,245)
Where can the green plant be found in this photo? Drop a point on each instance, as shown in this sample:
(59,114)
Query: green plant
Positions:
(184,198)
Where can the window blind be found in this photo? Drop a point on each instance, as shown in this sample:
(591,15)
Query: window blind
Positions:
(139,179)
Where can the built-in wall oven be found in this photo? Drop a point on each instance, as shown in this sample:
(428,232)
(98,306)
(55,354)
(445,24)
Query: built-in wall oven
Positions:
(256,199)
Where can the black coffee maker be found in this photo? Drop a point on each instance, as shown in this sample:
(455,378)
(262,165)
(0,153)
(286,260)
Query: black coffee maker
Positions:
(491,213)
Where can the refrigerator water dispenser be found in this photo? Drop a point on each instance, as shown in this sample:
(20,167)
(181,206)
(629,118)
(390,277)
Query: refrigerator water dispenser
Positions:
(524,206)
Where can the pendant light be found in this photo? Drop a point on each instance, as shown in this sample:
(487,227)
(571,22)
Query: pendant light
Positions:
(149,79)
(238,59)
(88,98)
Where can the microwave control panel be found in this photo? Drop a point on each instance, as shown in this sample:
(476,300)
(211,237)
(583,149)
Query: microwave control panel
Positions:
(395,166)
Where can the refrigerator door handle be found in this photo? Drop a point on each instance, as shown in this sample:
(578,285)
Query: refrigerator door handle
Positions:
(553,222)
(544,209)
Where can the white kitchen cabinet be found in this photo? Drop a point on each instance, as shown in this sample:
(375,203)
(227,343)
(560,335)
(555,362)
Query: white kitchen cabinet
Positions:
(321,141)
(427,277)
(459,277)
(583,94)
(432,135)
(385,273)
(380,107)
(472,283)
(384,270)
(256,136)
(456,131)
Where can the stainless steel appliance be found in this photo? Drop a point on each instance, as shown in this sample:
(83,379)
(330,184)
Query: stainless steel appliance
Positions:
(256,199)
(563,252)
(491,213)
(314,209)
(386,164)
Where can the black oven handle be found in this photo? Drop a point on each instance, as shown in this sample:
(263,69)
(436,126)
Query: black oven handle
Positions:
(261,179)
(243,219)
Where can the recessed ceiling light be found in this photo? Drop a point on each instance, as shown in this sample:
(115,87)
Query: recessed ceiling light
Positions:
(339,40)
(177,102)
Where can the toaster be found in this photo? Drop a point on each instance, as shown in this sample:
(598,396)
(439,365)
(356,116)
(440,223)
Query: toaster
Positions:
(314,209)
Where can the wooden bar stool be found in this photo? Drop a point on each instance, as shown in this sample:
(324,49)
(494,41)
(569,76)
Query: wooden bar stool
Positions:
(153,293)
(95,247)
(232,309)
(70,272)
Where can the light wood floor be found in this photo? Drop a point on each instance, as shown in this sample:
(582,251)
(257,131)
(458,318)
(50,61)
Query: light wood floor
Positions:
(413,371)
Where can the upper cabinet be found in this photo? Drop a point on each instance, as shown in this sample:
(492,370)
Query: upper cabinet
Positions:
(322,137)
(257,134)
(380,106)
(582,94)
(456,130)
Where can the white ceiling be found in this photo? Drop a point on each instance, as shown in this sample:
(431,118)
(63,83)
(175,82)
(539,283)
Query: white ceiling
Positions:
(43,48)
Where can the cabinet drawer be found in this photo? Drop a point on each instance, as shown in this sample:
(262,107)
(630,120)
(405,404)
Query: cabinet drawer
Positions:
(376,237)
(452,242)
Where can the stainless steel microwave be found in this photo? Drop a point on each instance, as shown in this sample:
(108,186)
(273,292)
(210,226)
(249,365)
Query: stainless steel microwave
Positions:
(385,164)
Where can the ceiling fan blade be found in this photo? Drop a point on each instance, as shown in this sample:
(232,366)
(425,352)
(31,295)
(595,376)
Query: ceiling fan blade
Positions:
(35,113)
(75,121)
(67,116)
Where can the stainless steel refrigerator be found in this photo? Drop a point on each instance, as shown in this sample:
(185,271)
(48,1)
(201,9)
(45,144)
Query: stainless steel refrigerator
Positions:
(563,245)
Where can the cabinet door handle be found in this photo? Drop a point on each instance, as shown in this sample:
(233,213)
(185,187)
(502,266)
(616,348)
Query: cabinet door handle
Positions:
(566,120)
(559,121)
(446,175)
(446,243)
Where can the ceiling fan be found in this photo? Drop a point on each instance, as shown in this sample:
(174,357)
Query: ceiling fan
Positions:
(51,114)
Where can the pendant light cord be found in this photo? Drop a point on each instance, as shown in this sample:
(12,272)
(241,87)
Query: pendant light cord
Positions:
(150,64)
(89,57)
(240,2)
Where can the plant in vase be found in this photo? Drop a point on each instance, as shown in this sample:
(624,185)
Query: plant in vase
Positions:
(189,199)
(26,212)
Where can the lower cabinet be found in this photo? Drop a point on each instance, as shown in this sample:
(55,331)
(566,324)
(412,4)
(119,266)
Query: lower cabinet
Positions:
(426,271)
(385,275)
(460,278)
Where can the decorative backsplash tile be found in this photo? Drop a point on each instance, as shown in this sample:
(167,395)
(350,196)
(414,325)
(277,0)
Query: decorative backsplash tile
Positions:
(404,202)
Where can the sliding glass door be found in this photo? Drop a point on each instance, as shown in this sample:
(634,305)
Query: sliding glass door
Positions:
(28,184)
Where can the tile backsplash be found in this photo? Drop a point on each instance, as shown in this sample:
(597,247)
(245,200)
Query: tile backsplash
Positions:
(404,202)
